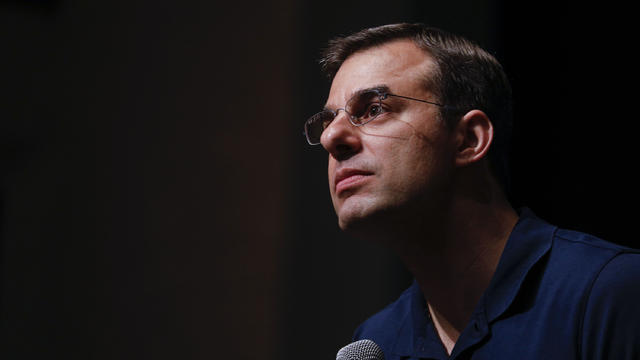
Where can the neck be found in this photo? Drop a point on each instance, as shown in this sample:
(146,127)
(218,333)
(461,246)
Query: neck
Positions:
(454,254)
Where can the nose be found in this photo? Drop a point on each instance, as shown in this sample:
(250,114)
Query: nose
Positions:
(341,139)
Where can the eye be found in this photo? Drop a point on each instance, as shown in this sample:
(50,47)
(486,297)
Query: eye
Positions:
(374,110)
(371,111)
(365,107)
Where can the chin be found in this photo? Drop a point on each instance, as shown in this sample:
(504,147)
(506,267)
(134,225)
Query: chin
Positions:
(352,218)
(364,220)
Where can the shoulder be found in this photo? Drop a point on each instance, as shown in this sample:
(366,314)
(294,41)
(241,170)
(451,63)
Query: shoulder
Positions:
(573,263)
(619,277)
(611,323)
(588,241)
(586,255)
(611,272)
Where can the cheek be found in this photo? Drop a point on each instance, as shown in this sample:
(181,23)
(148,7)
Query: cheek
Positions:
(330,170)
(415,163)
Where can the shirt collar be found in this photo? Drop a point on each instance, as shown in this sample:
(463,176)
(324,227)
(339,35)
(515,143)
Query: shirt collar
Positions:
(415,336)
(530,240)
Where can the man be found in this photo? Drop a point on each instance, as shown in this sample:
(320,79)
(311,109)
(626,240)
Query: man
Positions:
(417,126)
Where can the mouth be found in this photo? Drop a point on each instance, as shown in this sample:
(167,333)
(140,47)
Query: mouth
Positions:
(349,179)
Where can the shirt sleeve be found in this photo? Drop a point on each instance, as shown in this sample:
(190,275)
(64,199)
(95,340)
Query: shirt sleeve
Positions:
(611,326)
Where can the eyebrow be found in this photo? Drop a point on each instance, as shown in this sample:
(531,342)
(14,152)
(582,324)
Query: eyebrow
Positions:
(380,88)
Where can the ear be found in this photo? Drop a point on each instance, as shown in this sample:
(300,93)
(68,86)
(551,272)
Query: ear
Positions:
(474,134)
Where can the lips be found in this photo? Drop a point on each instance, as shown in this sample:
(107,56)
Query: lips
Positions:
(350,178)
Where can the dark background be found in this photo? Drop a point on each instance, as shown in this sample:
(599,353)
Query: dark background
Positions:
(158,198)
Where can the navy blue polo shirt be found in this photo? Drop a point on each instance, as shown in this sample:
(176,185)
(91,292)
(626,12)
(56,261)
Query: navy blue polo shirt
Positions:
(556,294)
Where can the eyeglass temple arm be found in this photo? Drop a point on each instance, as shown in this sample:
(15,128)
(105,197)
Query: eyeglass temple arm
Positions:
(424,101)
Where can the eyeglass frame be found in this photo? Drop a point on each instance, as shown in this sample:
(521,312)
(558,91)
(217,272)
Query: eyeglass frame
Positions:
(382,92)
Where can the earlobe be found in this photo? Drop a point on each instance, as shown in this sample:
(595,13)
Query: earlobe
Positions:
(474,135)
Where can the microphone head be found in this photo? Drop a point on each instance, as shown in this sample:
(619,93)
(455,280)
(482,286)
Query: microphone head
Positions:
(361,350)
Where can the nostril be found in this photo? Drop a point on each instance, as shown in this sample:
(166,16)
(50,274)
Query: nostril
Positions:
(343,151)
(343,147)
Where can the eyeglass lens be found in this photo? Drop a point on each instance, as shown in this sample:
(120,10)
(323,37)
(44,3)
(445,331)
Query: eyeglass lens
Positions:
(361,108)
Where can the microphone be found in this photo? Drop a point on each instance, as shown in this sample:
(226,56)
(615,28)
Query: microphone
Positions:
(361,350)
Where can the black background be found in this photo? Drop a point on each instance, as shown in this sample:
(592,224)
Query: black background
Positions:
(159,200)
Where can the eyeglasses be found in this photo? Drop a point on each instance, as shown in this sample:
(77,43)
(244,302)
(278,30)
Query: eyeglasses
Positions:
(364,107)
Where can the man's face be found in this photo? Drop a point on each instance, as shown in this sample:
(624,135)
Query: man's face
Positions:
(402,159)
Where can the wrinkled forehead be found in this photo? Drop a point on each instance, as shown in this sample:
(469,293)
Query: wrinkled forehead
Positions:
(399,65)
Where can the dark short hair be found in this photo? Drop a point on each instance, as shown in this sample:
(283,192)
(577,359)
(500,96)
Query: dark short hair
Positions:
(466,77)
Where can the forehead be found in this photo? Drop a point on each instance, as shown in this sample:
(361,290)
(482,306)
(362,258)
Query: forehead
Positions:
(400,65)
